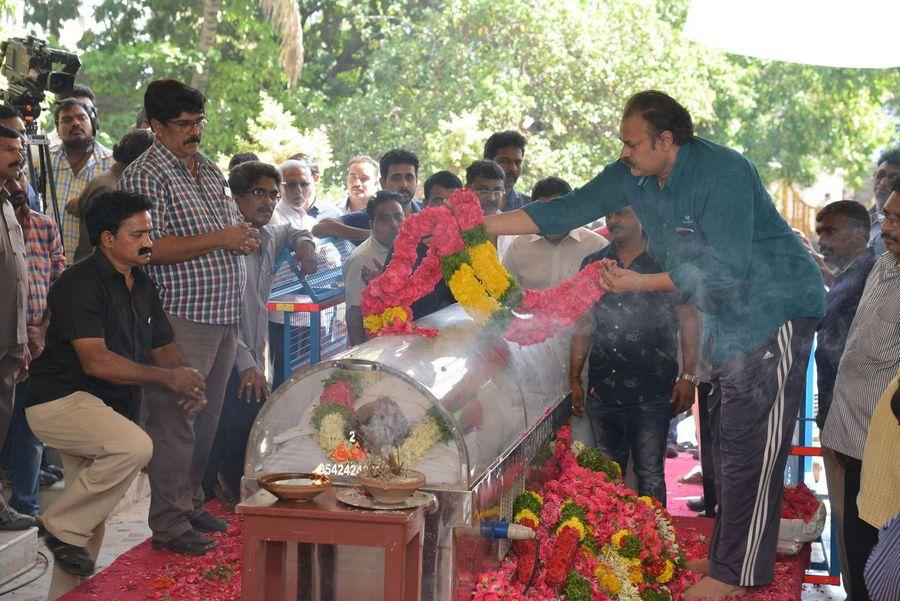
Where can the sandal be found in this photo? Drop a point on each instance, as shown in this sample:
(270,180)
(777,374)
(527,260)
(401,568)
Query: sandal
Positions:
(72,559)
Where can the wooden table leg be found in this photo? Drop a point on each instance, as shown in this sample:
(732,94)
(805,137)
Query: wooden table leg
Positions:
(274,570)
(395,566)
(253,563)
(414,566)
(290,572)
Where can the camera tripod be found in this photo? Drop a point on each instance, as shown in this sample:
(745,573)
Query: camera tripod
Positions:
(42,180)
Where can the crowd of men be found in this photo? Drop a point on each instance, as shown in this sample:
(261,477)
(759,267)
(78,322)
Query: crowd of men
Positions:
(138,337)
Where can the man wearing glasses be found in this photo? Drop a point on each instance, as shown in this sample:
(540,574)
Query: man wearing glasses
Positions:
(486,179)
(887,173)
(200,241)
(255,187)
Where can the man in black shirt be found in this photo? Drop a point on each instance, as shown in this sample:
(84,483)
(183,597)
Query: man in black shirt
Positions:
(107,337)
(634,388)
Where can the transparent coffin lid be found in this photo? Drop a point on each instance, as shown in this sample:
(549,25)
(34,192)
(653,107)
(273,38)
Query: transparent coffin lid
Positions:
(451,406)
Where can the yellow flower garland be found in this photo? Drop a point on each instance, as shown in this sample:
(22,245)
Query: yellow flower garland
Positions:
(667,573)
(573,523)
(487,267)
(606,578)
(526,514)
(471,294)
(635,575)
(374,323)
(618,536)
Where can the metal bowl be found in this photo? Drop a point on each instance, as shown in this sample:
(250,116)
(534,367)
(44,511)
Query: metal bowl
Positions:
(294,487)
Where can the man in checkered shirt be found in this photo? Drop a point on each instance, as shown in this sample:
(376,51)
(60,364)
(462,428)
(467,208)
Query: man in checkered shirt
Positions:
(197,263)
(76,161)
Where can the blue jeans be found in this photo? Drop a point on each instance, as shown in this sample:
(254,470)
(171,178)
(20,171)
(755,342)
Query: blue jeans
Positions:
(640,429)
(24,452)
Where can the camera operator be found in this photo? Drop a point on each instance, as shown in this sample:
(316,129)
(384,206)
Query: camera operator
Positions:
(76,161)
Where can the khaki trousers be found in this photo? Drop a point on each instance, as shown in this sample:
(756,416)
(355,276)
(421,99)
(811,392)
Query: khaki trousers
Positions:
(102,453)
(182,442)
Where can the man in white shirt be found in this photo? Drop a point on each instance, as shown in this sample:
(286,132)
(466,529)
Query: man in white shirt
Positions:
(366,263)
(299,204)
(542,262)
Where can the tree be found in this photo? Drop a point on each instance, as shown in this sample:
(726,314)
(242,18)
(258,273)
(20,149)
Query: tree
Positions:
(437,75)
(284,16)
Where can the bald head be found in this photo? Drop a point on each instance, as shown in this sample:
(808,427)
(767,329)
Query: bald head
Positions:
(298,187)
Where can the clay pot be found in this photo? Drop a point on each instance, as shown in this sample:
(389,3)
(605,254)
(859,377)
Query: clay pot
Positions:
(394,490)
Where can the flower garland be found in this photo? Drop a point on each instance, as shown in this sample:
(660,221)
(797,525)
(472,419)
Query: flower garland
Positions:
(595,539)
(463,255)
(526,509)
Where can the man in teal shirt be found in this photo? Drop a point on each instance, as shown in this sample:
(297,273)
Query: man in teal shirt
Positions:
(723,245)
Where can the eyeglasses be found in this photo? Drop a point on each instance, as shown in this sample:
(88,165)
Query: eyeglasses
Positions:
(263,193)
(186,127)
(485,194)
(891,220)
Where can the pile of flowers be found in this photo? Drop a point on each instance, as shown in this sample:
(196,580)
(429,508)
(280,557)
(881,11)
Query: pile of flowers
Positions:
(798,503)
(595,539)
(463,255)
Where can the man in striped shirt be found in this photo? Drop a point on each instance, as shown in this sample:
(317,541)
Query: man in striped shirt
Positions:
(870,361)
(199,243)
(76,161)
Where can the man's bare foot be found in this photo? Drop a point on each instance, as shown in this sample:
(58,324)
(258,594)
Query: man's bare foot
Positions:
(713,590)
(700,566)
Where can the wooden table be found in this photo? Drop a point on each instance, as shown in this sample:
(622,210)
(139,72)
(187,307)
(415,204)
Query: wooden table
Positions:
(273,529)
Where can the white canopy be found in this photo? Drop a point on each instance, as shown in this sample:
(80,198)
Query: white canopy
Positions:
(832,33)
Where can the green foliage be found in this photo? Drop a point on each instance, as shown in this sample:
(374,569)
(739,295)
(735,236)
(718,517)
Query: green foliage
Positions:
(650,594)
(527,500)
(324,409)
(571,510)
(576,587)
(631,546)
(437,76)
(342,375)
(273,136)
(593,459)
(220,572)
(446,432)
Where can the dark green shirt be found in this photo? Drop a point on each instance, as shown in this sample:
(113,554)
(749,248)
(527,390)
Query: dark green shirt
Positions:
(715,230)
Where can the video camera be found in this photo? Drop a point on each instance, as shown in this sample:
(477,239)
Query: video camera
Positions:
(27,64)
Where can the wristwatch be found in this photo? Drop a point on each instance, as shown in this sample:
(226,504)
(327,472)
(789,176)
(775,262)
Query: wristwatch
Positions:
(695,380)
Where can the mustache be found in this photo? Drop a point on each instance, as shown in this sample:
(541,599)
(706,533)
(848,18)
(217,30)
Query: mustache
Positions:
(145,250)
(192,140)
(628,162)
(888,236)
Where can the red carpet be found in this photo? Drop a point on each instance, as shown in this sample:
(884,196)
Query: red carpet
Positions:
(145,573)
(676,492)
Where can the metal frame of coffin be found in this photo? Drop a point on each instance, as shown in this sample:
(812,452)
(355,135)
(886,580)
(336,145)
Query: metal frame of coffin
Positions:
(503,403)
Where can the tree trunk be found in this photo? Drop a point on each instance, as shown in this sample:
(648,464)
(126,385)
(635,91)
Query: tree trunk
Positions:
(207,39)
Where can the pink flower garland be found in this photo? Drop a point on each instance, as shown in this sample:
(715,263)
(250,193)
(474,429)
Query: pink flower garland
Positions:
(548,315)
